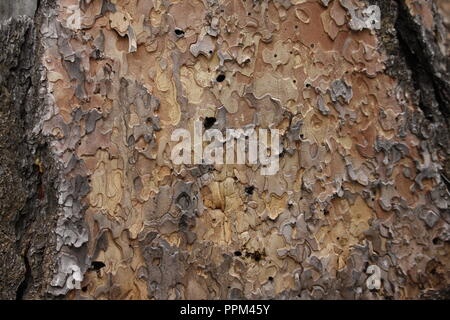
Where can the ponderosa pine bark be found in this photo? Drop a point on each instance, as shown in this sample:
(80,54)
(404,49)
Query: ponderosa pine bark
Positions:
(92,207)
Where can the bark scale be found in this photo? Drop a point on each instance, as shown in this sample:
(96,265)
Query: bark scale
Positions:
(92,207)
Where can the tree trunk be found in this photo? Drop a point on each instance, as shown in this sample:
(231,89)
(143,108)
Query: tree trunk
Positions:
(94,206)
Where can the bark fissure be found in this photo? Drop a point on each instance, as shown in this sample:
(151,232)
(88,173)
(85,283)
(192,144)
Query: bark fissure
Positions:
(424,59)
(28,278)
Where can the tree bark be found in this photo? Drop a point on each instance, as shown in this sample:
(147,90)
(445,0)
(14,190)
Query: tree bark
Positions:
(93,207)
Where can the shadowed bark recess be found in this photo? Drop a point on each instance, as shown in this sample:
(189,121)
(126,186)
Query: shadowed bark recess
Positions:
(418,58)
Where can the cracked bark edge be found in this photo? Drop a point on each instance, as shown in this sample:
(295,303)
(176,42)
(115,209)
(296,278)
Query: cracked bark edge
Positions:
(28,172)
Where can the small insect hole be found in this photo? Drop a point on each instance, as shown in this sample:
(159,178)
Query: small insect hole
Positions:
(179,32)
(220,78)
(97,265)
(209,122)
(249,190)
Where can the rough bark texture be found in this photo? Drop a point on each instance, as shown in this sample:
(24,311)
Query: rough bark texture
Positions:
(93,208)
(27,198)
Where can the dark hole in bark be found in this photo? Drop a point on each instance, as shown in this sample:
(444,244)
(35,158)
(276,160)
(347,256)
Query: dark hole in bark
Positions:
(249,190)
(220,77)
(257,256)
(238,253)
(179,32)
(209,122)
(97,265)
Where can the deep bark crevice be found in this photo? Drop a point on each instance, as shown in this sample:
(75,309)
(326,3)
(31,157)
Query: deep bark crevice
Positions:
(28,278)
(422,57)
(415,60)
